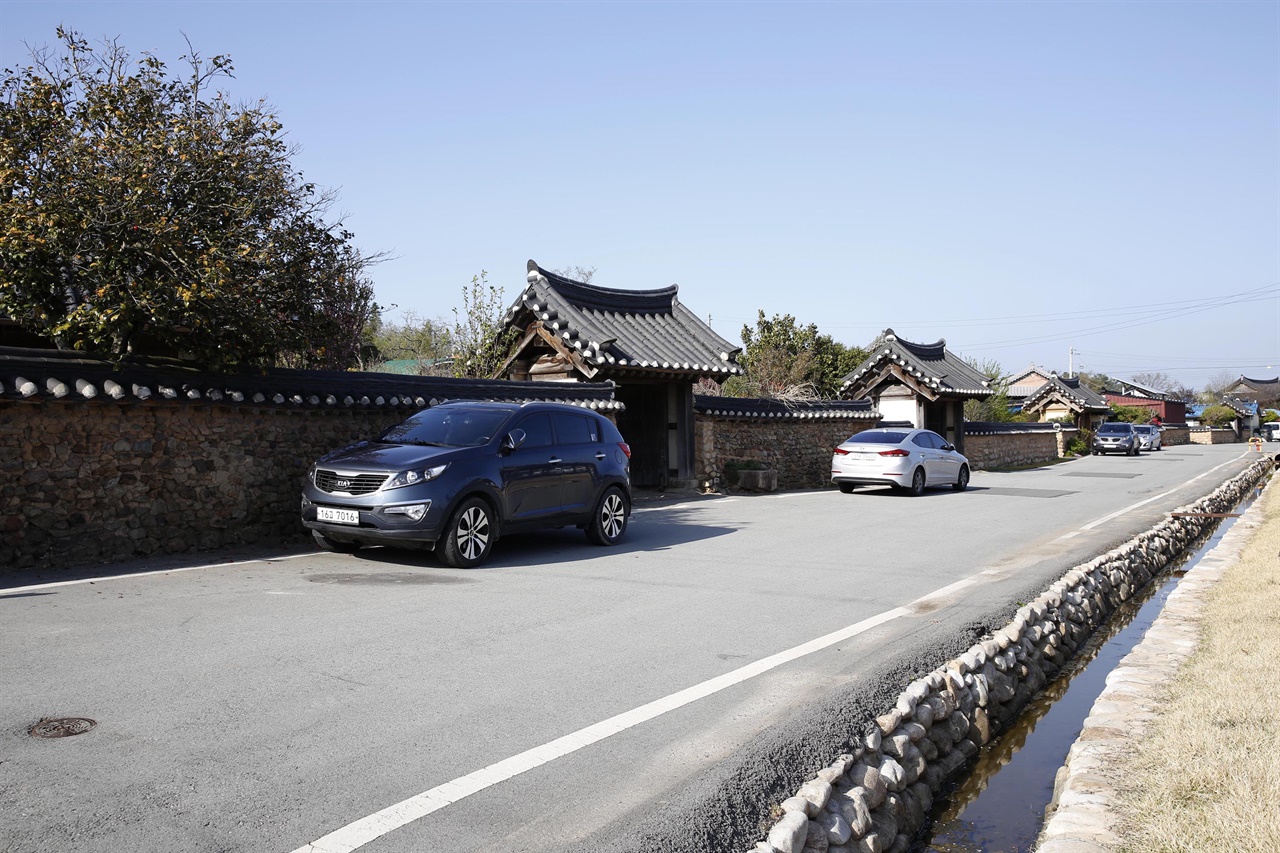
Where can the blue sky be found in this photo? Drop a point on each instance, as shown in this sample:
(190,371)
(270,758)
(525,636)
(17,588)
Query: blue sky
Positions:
(1019,178)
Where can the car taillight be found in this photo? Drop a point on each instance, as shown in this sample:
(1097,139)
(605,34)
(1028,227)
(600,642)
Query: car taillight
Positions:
(625,448)
(840,451)
(897,451)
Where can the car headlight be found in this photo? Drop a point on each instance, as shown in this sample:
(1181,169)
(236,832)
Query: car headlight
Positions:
(414,476)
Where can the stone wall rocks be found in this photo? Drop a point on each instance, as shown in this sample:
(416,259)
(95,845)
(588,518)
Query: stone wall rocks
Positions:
(883,791)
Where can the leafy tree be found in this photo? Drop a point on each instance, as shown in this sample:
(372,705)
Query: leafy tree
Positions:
(1270,416)
(140,211)
(1096,382)
(785,359)
(429,342)
(993,409)
(1131,414)
(1218,416)
(480,343)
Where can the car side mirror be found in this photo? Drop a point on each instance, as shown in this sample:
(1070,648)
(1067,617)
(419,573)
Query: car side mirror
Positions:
(512,440)
(948,446)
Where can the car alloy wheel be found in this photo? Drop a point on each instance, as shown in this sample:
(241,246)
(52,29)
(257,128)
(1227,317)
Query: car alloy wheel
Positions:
(610,519)
(470,535)
(962,479)
(917,483)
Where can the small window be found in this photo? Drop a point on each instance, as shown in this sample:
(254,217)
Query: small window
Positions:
(923,440)
(537,431)
(574,429)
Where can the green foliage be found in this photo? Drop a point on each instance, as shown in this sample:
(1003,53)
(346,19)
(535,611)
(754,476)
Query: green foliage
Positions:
(1270,416)
(480,342)
(424,341)
(139,212)
(782,357)
(1131,414)
(993,409)
(1081,444)
(1218,416)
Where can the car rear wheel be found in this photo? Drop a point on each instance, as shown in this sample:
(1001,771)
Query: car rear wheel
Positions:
(847,488)
(962,479)
(333,545)
(916,489)
(609,521)
(469,537)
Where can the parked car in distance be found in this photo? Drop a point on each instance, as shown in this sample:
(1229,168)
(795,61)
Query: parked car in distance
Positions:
(1116,437)
(456,476)
(907,459)
(1148,436)
(1271,431)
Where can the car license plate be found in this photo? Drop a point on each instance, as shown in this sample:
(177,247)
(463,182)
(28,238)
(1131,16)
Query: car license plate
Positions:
(337,516)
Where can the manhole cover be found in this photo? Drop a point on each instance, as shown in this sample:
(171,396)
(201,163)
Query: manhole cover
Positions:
(62,727)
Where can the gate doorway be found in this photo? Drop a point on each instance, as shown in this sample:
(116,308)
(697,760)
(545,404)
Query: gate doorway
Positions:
(643,425)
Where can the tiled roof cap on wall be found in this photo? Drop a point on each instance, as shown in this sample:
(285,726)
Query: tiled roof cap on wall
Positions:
(624,332)
(756,407)
(52,374)
(931,364)
(987,428)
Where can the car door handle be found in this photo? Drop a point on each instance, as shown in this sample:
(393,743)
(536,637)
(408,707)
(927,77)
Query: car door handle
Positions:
(600,455)
(554,460)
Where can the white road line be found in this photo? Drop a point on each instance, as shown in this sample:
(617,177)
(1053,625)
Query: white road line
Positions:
(11,590)
(1131,507)
(683,505)
(360,832)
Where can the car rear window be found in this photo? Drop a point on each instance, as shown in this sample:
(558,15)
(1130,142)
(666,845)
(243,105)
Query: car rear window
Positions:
(575,429)
(877,436)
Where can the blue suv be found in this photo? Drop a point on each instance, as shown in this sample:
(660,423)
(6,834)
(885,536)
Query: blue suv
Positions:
(456,476)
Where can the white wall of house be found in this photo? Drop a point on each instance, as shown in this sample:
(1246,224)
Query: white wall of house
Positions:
(893,407)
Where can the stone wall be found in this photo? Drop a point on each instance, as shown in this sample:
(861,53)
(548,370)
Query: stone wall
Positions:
(1172,436)
(1012,449)
(1205,435)
(88,482)
(874,798)
(798,450)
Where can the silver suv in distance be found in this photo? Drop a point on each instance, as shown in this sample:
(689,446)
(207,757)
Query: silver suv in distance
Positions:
(1116,437)
(456,476)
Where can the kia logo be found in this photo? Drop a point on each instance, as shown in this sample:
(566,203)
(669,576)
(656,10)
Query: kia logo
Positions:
(342,483)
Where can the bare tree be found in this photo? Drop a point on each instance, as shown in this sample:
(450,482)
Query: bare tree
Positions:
(576,273)
(1158,381)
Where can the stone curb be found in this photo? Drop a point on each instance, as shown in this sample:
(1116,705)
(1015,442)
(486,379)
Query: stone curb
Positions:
(1080,819)
(874,798)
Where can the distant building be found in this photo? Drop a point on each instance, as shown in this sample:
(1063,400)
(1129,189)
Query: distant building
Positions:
(1257,390)
(1067,397)
(1169,409)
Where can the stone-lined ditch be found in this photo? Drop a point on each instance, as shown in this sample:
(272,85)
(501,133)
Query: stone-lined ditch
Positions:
(876,798)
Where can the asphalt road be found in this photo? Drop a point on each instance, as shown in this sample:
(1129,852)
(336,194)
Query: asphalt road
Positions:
(729,647)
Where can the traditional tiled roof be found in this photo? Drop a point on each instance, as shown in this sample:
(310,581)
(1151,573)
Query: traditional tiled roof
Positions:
(623,332)
(1243,407)
(755,407)
(53,374)
(1269,384)
(930,364)
(1069,390)
(1129,388)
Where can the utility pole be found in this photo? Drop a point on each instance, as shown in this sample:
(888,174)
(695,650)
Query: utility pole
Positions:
(1071,361)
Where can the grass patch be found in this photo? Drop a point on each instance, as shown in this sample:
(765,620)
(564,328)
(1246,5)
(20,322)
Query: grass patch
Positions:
(1207,775)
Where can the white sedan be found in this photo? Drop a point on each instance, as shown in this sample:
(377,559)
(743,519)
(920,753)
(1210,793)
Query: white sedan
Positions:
(907,459)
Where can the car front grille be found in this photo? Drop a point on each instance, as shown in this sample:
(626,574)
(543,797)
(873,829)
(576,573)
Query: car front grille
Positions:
(349,484)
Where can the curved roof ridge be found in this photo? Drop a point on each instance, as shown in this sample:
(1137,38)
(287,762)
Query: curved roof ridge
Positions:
(583,295)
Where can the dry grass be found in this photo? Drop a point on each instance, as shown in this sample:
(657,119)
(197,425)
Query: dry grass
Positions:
(1207,776)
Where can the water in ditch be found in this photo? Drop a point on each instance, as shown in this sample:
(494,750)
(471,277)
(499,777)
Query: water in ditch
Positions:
(999,806)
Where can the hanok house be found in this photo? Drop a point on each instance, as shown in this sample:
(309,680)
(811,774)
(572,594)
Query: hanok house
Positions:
(924,385)
(1123,392)
(1265,391)
(1023,385)
(1067,397)
(646,341)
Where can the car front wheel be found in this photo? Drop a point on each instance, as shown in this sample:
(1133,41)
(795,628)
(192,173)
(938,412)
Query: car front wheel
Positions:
(469,536)
(962,479)
(609,521)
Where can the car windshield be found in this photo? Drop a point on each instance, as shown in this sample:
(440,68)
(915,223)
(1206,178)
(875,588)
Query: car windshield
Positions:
(877,436)
(1113,428)
(447,427)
